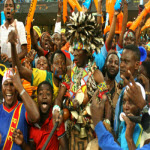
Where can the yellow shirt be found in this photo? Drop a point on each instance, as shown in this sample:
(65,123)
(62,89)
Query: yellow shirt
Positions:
(39,76)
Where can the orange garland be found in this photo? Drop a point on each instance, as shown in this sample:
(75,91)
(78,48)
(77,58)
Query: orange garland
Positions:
(64,10)
(29,20)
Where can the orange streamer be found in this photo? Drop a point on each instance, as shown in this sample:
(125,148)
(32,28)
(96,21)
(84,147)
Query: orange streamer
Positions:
(64,10)
(147,24)
(129,23)
(72,4)
(145,11)
(77,5)
(96,4)
(29,20)
(27,86)
(119,23)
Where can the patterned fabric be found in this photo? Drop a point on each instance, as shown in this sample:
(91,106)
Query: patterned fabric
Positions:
(79,77)
(102,86)
(6,117)
(78,45)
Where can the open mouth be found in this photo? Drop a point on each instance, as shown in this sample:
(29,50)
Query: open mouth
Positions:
(75,60)
(8,13)
(44,105)
(42,68)
(9,96)
(47,46)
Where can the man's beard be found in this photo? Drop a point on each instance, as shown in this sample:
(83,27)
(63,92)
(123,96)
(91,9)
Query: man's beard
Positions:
(112,77)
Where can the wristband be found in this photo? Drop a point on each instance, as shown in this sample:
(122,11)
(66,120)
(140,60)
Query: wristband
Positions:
(58,15)
(22,92)
(56,107)
(146,108)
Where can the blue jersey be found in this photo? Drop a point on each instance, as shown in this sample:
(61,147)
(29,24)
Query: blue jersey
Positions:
(6,124)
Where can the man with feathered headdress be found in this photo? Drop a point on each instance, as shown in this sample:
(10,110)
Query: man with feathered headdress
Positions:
(84,36)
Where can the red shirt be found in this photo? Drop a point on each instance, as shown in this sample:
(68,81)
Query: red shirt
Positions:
(40,135)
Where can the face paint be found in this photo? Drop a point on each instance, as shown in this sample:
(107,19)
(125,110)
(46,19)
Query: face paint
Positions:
(56,73)
(128,34)
(12,10)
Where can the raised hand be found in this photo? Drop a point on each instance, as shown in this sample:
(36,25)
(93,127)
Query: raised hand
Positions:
(12,37)
(129,126)
(144,81)
(30,56)
(134,91)
(97,108)
(60,4)
(16,79)
(57,117)
(4,57)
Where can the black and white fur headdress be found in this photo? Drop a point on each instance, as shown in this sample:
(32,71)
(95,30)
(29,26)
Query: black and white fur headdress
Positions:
(83,32)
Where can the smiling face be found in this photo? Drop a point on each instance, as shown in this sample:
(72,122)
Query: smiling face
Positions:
(112,65)
(42,63)
(9,93)
(9,9)
(129,107)
(59,66)
(44,98)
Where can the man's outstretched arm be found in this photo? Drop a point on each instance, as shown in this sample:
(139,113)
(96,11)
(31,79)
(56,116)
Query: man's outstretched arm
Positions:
(24,72)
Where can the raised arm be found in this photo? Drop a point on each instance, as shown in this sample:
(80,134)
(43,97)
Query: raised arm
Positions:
(99,12)
(124,22)
(138,31)
(24,72)
(60,4)
(32,110)
(34,43)
(112,31)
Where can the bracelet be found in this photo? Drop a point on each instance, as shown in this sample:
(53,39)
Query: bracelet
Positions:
(56,107)
(58,15)
(22,92)
(147,93)
(100,15)
(107,121)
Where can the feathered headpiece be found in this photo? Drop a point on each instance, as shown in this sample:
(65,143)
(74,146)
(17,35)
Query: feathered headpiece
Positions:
(83,32)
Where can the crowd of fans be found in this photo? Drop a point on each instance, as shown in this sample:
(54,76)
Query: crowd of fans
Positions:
(90,81)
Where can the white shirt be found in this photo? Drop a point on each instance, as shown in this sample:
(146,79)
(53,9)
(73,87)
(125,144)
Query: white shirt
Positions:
(5,45)
(57,28)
